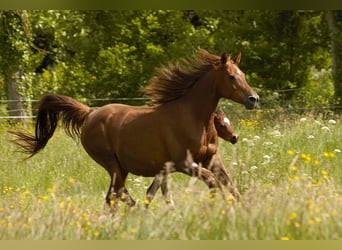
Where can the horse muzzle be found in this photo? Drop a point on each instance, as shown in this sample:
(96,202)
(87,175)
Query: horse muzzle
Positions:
(234,139)
(252,101)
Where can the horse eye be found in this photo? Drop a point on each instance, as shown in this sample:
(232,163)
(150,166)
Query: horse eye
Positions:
(231,77)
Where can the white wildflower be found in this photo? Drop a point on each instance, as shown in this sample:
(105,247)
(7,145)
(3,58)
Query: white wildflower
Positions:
(325,128)
(311,137)
(245,140)
(253,168)
(256,137)
(303,119)
(332,121)
(336,150)
(267,157)
(276,133)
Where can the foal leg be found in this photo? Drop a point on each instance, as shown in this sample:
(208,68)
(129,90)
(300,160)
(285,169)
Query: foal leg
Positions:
(153,188)
(203,174)
(160,180)
(218,169)
(165,191)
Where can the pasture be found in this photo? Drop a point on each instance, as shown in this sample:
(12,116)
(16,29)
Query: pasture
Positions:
(286,166)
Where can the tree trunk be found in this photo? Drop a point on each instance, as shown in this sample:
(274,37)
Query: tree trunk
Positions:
(335,26)
(15,105)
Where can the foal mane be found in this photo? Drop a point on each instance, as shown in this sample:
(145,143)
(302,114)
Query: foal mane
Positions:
(174,81)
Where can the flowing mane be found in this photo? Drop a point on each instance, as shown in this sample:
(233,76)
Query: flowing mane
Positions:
(172,82)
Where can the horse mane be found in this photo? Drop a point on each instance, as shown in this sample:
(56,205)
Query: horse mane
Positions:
(174,81)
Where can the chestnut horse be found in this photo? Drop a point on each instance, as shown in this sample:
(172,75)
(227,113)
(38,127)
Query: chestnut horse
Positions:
(140,140)
(224,127)
(219,126)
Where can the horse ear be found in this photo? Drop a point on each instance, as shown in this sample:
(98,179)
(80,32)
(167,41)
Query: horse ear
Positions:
(237,58)
(219,110)
(224,58)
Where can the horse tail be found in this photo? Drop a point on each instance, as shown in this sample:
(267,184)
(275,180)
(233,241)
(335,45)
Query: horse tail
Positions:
(52,108)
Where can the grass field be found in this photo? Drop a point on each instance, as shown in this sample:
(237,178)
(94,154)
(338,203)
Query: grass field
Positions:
(288,169)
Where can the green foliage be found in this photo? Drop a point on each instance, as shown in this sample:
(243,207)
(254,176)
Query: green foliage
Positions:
(279,46)
(318,92)
(109,54)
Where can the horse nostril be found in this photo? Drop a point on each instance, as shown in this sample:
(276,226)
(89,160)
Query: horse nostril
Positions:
(253,99)
(234,139)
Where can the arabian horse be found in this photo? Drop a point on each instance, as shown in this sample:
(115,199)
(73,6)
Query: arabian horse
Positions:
(140,140)
(219,126)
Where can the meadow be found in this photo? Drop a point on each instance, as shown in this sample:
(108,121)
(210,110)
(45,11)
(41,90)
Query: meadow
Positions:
(287,167)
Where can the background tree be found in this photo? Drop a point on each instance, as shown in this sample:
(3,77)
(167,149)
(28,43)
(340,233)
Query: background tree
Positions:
(14,57)
(112,54)
(335,25)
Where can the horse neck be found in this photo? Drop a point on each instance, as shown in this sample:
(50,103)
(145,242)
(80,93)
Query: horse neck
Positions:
(202,99)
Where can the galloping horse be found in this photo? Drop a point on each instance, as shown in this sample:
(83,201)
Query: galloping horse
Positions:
(140,140)
(219,126)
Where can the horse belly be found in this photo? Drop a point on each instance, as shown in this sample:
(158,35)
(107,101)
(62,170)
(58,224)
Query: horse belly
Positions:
(144,150)
(146,155)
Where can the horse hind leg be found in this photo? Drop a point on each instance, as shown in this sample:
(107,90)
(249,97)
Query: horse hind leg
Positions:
(117,190)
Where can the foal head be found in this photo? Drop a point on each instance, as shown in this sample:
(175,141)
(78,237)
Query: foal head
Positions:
(233,84)
(224,128)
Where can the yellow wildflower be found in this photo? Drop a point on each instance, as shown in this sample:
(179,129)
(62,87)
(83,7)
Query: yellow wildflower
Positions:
(324,174)
(290,152)
(311,222)
(293,216)
(297,225)
(332,154)
(294,168)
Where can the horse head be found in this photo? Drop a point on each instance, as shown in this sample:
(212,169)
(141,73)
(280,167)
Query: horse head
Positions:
(224,128)
(232,82)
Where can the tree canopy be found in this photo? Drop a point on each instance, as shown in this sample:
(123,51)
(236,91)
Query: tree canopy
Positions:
(286,55)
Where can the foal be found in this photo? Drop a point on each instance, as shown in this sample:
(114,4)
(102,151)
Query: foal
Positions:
(219,126)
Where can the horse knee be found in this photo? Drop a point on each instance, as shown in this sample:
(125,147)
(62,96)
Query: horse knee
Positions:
(212,182)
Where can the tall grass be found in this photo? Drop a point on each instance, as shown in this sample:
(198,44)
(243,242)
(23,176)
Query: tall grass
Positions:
(288,170)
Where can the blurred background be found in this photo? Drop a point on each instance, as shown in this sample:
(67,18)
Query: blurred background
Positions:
(292,58)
